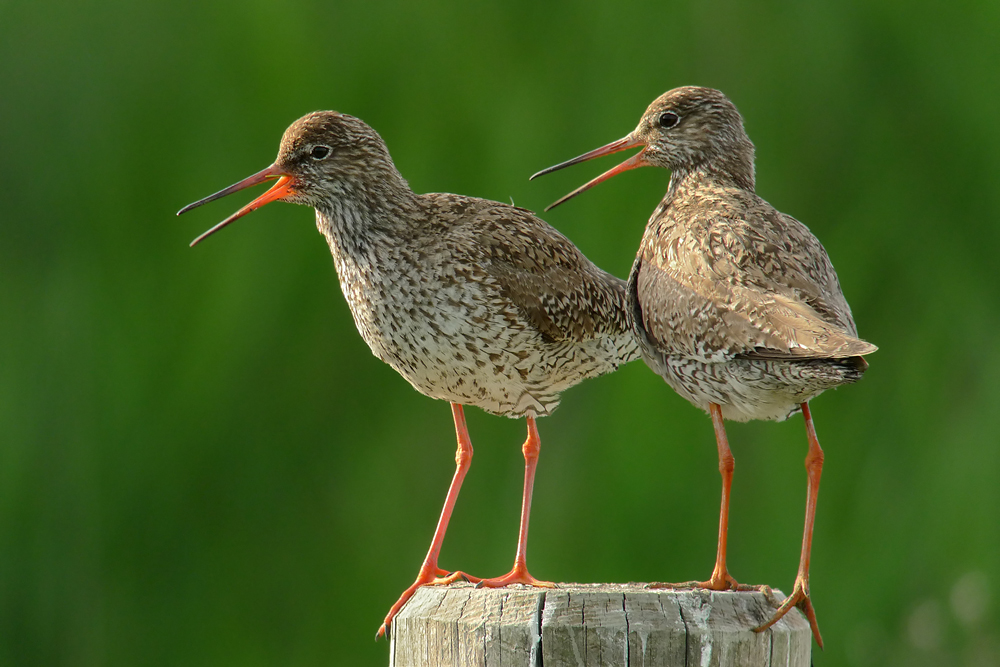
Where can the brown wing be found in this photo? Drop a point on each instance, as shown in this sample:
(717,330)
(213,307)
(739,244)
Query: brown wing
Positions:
(562,293)
(743,280)
(557,290)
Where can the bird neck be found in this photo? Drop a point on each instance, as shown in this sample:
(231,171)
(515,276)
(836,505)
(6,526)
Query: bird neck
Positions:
(357,217)
(725,170)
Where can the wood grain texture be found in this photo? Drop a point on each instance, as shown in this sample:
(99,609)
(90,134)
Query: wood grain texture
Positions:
(594,626)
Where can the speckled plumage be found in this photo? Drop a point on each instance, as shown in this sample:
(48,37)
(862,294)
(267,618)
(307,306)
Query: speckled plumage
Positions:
(472,301)
(735,304)
(738,304)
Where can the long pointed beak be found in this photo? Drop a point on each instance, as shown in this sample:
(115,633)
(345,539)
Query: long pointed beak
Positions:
(637,160)
(282,188)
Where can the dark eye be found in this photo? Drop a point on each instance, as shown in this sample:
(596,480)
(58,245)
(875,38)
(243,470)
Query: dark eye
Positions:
(319,152)
(668,119)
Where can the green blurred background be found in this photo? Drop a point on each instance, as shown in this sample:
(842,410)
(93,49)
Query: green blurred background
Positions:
(202,464)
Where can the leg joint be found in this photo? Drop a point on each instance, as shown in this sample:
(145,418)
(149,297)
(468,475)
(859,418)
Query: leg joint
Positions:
(814,458)
(463,455)
(532,444)
(530,449)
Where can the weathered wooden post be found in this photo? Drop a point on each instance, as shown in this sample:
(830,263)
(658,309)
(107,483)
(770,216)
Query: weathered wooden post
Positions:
(594,625)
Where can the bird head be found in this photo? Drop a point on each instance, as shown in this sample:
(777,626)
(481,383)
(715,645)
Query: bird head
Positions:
(682,129)
(324,154)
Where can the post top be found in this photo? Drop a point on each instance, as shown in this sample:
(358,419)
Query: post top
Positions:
(620,624)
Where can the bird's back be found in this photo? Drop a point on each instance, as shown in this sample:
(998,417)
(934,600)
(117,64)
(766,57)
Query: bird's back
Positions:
(738,304)
(721,273)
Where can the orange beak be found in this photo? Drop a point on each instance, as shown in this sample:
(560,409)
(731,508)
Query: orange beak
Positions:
(279,190)
(637,160)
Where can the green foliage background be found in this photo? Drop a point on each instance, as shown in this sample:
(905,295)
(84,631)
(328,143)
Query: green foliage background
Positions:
(202,464)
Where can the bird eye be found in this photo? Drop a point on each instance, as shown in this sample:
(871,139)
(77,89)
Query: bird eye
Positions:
(319,152)
(668,119)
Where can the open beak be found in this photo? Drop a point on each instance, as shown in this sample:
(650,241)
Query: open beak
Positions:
(637,160)
(282,188)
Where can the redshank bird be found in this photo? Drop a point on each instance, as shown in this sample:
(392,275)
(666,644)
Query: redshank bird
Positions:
(471,301)
(735,304)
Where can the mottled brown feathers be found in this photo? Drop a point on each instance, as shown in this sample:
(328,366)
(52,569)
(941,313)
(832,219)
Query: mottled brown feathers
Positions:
(732,301)
(561,293)
(757,279)
(472,301)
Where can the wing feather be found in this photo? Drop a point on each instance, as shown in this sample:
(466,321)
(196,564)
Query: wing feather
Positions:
(741,280)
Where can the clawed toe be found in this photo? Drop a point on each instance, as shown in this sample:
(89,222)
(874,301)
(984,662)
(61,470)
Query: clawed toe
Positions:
(518,575)
(723,582)
(441,578)
(799,598)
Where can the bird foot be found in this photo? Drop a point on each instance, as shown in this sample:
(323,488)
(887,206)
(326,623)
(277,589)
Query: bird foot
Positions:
(718,582)
(519,575)
(799,598)
(428,577)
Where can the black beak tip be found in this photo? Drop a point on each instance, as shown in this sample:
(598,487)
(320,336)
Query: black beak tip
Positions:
(187,208)
(547,170)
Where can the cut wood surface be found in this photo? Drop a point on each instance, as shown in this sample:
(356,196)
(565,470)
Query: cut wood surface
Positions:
(594,625)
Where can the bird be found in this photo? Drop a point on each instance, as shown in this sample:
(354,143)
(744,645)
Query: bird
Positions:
(734,304)
(472,301)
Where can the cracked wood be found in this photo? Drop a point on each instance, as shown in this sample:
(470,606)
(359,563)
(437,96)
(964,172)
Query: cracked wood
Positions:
(594,625)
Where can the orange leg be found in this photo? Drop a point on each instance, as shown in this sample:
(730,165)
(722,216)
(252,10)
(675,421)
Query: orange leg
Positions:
(800,593)
(430,574)
(720,580)
(519,574)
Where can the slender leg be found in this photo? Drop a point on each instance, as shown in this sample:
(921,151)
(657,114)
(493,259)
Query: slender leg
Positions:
(720,580)
(800,593)
(519,574)
(430,574)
